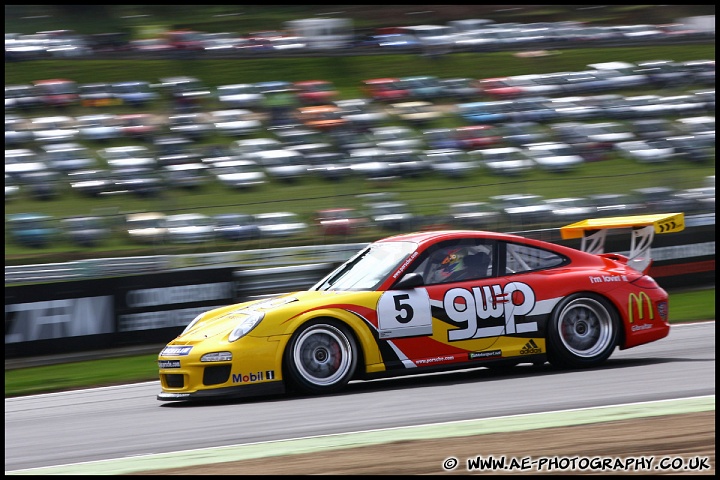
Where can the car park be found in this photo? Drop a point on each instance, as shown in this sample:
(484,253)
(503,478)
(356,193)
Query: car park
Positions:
(420,303)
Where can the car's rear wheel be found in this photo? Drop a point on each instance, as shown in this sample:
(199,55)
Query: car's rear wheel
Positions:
(583,331)
(321,357)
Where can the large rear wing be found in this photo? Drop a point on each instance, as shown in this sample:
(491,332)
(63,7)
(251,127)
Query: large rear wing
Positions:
(643,229)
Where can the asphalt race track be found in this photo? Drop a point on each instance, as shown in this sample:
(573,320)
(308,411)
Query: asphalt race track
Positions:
(127,422)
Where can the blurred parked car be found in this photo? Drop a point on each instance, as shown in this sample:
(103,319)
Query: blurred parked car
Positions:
(418,113)
(238,174)
(234,123)
(146,228)
(361,113)
(141,126)
(22,97)
(56,128)
(450,162)
(189,228)
(128,156)
(392,215)
(17,130)
(134,93)
(67,157)
(474,215)
(187,93)
(195,126)
(236,227)
(339,221)
(523,210)
(97,94)
(33,230)
(322,117)
(240,95)
(99,127)
(57,93)
(647,151)
(504,160)
(316,92)
(388,89)
(86,231)
(280,224)
(554,156)
(566,210)
(92,182)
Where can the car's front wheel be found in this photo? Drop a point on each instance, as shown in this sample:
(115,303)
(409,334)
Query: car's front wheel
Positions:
(583,331)
(321,357)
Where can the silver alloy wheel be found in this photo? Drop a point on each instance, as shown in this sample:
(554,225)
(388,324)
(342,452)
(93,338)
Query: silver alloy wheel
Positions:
(322,355)
(585,327)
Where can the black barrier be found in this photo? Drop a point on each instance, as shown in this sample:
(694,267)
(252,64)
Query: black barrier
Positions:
(109,312)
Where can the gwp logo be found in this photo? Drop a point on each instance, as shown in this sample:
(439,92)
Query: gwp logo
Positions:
(636,302)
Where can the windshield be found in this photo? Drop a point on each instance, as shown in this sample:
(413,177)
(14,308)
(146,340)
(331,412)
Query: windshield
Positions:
(368,269)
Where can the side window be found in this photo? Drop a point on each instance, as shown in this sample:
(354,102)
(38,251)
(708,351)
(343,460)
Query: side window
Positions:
(522,258)
(456,261)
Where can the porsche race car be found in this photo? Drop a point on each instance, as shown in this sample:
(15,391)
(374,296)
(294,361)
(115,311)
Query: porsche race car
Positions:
(427,302)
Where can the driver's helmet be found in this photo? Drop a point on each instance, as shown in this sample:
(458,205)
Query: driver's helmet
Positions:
(452,263)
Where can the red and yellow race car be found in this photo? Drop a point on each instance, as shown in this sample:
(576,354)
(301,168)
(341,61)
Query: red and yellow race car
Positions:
(431,301)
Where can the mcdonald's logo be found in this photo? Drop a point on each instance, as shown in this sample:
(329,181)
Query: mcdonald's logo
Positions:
(637,301)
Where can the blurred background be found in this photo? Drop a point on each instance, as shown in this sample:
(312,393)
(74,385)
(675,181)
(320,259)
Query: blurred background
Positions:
(133,130)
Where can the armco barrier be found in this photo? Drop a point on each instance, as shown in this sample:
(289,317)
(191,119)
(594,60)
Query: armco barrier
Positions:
(150,301)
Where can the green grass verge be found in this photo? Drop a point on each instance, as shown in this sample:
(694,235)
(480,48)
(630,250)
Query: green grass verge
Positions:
(685,306)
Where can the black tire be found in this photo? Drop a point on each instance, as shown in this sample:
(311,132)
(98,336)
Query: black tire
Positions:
(583,331)
(321,357)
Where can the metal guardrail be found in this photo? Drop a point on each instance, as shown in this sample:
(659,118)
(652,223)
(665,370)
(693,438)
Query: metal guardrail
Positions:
(119,266)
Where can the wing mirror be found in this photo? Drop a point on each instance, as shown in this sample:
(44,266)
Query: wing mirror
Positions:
(411,280)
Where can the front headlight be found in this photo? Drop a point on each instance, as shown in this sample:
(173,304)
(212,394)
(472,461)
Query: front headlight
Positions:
(247,324)
(192,324)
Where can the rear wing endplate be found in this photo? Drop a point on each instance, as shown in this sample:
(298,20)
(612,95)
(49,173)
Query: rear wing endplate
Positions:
(644,227)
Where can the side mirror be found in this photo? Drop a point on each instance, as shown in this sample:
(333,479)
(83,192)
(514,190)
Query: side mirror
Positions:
(411,280)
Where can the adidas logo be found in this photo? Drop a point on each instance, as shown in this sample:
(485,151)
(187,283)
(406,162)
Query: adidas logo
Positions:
(530,348)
